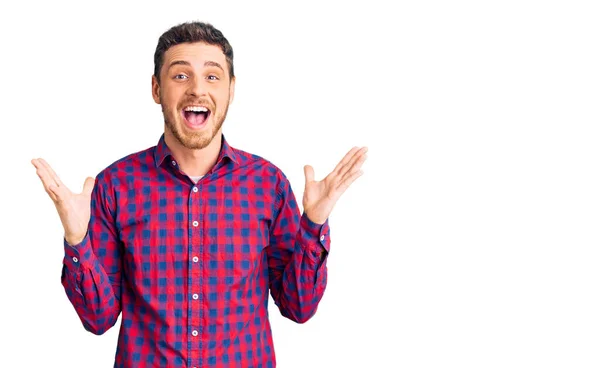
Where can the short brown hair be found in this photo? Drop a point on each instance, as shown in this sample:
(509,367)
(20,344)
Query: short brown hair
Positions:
(191,32)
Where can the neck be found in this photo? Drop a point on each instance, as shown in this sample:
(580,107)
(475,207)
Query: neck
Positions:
(194,162)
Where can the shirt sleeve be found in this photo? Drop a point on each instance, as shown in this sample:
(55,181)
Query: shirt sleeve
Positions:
(297,257)
(91,273)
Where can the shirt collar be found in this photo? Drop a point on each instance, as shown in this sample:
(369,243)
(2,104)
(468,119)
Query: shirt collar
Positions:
(162,151)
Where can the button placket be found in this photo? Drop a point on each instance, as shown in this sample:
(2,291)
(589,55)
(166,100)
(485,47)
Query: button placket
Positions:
(195,268)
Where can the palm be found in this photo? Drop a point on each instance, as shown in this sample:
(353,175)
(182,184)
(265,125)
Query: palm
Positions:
(74,211)
(320,196)
(73,208)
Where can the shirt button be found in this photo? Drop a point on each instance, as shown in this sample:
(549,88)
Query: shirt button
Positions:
(322,237)
(174,163)
(195,189)
(195,223)
(195,259)
(195,296)
(194,333)
(75,259)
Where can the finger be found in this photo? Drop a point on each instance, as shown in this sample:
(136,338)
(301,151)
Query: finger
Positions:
(345,160)
(54,190)
(349,180)
(44,175)
(47,182)
(348,166)
(355,167)
(88,186)
(53,193)
(51,172)
(37,164)
(309,174)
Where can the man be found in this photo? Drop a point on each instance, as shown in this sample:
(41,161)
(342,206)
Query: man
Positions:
(186,238)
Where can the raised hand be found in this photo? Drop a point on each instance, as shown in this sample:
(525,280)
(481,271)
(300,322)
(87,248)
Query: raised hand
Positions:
(320,196)
(73,209)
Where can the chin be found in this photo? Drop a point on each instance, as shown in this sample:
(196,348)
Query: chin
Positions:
(197,140)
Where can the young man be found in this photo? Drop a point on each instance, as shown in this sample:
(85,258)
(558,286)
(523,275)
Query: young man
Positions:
(186,238)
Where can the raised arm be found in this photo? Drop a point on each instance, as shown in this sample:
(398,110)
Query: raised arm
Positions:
(91,272)
(299,245)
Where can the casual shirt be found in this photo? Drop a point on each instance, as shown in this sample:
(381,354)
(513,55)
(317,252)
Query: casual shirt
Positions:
(190,265)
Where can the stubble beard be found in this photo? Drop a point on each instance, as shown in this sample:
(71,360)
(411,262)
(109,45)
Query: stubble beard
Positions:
(192,140)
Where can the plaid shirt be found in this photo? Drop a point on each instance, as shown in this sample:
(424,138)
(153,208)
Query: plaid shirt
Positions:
(189,265)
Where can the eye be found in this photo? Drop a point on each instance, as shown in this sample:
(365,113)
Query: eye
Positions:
(181,76)
(212,77)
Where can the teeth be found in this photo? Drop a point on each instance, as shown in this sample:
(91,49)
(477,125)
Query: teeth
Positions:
(196,108)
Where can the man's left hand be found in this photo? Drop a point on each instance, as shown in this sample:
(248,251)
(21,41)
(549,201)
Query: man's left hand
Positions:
(320,196)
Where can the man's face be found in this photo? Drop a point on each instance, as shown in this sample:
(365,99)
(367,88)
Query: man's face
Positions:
(195,91)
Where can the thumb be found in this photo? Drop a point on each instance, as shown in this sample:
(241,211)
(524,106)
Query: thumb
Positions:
(88,186)
(309,173)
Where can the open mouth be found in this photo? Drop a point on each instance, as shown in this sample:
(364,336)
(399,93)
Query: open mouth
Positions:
(196,116)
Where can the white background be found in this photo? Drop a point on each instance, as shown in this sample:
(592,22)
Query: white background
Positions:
(472,240)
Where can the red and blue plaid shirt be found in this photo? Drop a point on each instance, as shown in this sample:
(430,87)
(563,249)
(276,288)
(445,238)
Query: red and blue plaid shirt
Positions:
(189,265)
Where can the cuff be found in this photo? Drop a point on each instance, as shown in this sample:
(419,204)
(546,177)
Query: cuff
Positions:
(314,233)
(77,254)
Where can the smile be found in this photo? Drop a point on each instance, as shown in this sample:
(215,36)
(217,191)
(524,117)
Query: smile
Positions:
(195,116)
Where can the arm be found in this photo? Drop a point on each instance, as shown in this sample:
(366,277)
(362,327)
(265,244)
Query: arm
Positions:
(92,265)
(297,256)
(91,272)
(298,247)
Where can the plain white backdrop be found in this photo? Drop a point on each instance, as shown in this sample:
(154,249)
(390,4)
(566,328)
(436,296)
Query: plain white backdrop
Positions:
(473,238)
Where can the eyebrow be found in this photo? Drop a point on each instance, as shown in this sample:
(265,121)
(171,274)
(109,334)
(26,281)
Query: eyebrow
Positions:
(178,62)
(206,63)
(213,63)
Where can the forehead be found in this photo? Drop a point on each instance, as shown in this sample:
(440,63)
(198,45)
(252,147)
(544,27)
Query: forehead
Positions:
(195,53)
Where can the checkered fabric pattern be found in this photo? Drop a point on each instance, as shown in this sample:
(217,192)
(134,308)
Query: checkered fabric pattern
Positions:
(190,266)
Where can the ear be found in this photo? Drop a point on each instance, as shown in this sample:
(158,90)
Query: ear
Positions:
(231,89)
(155,90)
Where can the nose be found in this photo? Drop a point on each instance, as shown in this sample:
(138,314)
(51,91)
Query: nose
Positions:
(196,87)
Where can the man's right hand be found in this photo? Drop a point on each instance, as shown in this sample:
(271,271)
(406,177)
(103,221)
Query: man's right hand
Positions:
(73,209)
